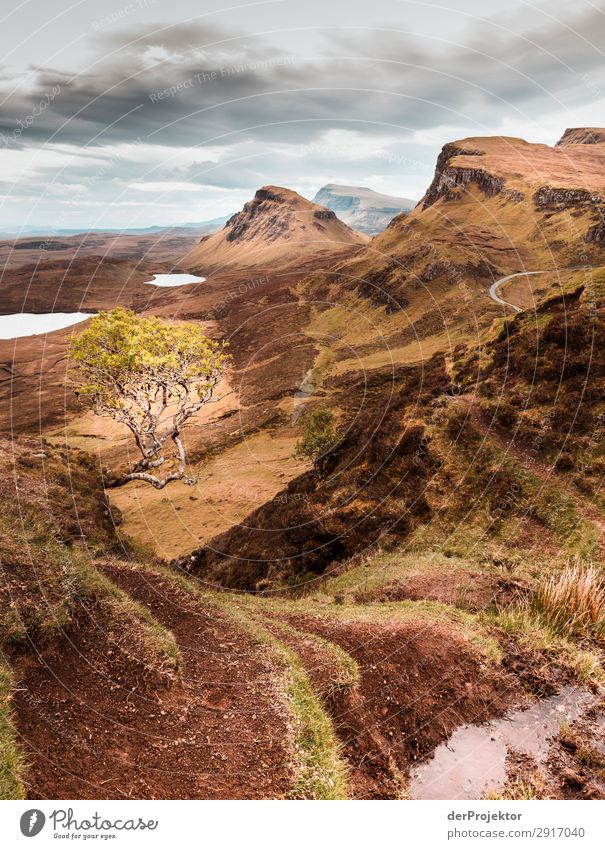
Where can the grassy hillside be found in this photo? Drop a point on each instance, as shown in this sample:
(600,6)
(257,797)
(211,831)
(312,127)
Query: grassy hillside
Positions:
(318,695)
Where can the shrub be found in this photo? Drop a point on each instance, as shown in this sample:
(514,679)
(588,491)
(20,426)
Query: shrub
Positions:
(564,462)
(573,603)
(319,436)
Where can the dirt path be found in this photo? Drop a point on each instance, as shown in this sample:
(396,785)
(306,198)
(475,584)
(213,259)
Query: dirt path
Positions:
(219,732)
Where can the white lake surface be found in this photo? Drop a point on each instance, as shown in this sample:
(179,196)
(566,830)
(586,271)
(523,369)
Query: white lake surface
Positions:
(174,280)
(32,324)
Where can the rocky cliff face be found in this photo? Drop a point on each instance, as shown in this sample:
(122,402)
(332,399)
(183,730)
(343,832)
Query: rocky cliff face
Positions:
(450,180)
(361,208)
(548,197)
(266,216)
(512,200)
(581,135)
(577,201)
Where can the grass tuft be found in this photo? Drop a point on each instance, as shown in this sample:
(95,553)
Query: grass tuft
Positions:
(519,789)
(519,621)
(573,602)
(11,760)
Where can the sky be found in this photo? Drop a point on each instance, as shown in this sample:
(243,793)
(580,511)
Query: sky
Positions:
(160,112)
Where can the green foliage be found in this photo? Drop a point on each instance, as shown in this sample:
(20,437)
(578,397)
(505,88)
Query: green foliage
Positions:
(149,375)
(121,354)
(319,436)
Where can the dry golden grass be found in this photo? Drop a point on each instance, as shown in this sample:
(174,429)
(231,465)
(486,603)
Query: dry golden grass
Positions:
(174,521)
(573,602)
(411,354)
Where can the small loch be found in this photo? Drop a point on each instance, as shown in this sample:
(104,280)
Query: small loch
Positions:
(18,325)
(174,280)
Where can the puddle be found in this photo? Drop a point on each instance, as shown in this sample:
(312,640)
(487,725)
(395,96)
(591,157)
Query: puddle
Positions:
(472,761)
(173,280)
(22,324)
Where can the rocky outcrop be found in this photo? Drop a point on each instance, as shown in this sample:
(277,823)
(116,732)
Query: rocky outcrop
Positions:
(432,270)
(382,289)
(450,180)
(548,197)
(596,233)
(242,224)
(581,135)
(556,200)
(324,215)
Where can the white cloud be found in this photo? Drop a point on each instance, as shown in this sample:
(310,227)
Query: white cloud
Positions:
(164,186)
(365,105)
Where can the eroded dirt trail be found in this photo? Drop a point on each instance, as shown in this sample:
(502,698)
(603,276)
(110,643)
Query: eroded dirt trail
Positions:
(395,713)
(221,731)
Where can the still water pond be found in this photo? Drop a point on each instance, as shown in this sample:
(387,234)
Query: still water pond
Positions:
(21,324)
(473,760)
(173,280)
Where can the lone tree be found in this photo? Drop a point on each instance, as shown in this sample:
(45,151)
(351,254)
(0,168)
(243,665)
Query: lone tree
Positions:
(319,437)
(150,376)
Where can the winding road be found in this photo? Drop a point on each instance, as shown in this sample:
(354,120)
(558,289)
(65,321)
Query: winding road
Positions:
(493,289)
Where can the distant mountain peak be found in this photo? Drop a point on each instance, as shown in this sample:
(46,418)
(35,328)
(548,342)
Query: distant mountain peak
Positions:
(364,209)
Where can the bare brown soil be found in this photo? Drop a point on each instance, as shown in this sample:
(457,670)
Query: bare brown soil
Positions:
(93,724)
(418,683)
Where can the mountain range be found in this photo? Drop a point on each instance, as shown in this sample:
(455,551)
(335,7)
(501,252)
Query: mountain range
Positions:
(29,231)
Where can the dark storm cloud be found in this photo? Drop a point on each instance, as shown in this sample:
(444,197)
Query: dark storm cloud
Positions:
(184,86)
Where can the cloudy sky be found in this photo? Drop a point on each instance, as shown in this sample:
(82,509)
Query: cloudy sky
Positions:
(128,114)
